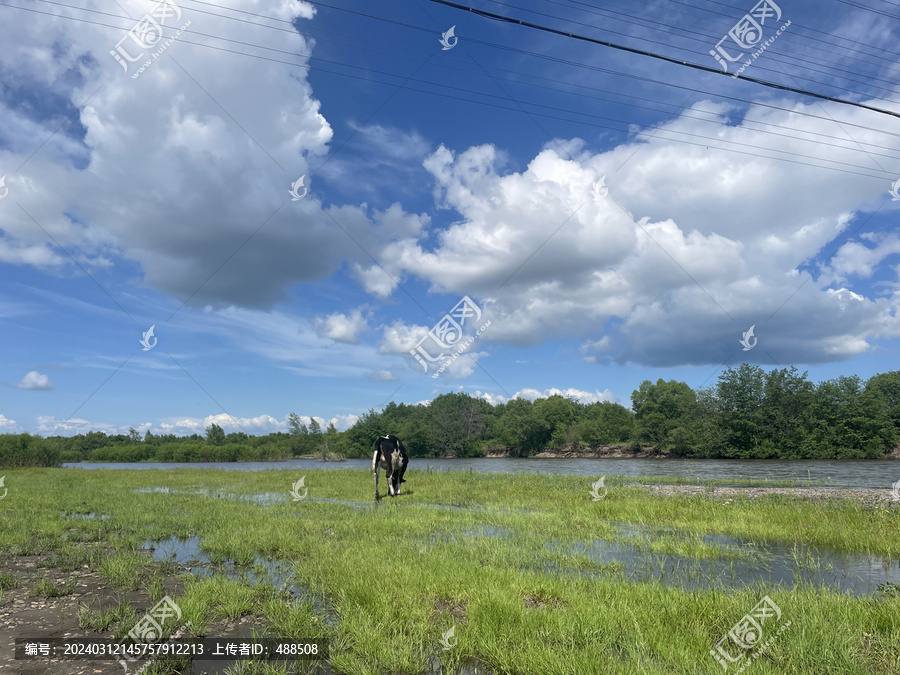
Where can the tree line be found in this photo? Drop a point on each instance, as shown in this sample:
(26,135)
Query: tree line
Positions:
(747,413)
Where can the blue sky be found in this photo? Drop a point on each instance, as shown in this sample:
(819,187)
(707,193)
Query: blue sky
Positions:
(161,197)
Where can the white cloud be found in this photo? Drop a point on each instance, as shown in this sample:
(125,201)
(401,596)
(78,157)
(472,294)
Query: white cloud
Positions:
(47,425)
(35,381)
(7,425)
(187,174)
(341,327)
(856,259)
(692,246)
(382,376)
(533,394)
(185,426)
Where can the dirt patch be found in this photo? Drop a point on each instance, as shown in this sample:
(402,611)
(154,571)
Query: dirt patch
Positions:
(541,601)
(870,498)
(25,615)
(454,607)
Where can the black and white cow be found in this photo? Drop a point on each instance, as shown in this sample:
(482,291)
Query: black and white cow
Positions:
(391,456)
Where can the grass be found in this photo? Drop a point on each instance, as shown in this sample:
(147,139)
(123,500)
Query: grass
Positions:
(100,621)
(467,551)
(44,588)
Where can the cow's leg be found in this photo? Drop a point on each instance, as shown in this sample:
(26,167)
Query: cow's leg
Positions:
(389,472)
(399,475)
(400,469)
(375,470)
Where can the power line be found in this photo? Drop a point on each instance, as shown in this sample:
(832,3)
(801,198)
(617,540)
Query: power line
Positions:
(445,94)
(660,57)
(829,36)
(293,30)
(683,32)
(869,9)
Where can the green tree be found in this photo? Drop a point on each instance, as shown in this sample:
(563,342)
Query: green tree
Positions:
(661,408)
(787,397)
(741,394)
(882,397)
(605,423)
(519,428)
(296,426)
(215,435)
(554,415)
(454,424)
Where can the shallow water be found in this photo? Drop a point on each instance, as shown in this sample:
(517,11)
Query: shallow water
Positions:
(745,562)
(837,474)
(187,552)
(771,564)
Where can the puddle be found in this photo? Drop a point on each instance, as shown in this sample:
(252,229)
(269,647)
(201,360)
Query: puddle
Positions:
(187,552)
(86,516)
(224,667)
(773,565)
(435,667)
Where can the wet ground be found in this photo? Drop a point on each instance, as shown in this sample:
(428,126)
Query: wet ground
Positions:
(627,555)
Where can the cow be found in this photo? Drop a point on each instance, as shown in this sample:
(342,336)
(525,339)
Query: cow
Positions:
(391,456)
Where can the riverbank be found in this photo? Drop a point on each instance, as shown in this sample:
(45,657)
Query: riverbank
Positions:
(618,451)
(630,451)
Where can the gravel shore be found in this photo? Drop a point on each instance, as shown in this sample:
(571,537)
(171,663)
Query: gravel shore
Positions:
(865,496)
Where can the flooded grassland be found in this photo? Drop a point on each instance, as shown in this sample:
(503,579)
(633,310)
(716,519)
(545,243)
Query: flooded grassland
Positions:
(465,572)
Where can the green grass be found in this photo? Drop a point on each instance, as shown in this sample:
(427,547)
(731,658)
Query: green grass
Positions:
(390,579)
(8,580)
(44,588)
(100,621)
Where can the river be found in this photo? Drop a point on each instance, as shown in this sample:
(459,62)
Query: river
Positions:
(833,473)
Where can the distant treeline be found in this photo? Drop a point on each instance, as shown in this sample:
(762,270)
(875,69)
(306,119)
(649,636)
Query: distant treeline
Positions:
(748,413)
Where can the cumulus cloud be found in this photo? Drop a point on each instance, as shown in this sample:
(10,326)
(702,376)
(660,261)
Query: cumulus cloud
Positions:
(585,397)
(35,381)
(188,174)
(341,327)
(691,247)
(186,426)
